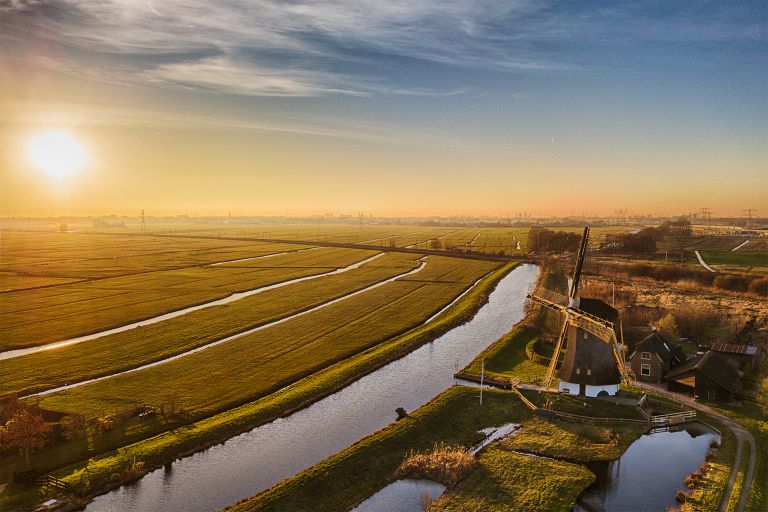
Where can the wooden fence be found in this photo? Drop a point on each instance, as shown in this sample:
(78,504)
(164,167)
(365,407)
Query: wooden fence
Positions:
(547,413)
(32,478)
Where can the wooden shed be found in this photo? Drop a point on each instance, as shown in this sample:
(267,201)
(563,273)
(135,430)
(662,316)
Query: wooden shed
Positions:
(711,376)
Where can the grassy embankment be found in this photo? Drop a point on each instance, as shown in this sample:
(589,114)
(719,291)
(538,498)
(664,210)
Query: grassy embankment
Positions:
(132,348)
(39,316)
(507,480)
(520,354)
(96,474)
(752,417)
(454,417)
(708,493)
(576,441)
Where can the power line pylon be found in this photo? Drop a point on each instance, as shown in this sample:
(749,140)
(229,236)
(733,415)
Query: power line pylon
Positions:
(706,213)
(749,212)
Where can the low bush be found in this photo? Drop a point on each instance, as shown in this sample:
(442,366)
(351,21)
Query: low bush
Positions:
(445,464)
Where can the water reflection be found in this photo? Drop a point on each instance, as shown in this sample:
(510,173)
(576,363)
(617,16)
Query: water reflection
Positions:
(649,473)
(402,496)
(256,460)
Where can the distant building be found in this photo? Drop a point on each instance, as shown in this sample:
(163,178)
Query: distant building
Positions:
(711,376)
(745,355)
(653,357)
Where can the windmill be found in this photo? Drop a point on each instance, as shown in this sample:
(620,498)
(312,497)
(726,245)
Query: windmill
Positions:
(594,362)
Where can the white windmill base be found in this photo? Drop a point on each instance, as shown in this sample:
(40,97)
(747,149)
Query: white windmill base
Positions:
(572,388)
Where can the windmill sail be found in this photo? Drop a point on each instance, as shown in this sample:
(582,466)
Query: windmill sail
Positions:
(593,362)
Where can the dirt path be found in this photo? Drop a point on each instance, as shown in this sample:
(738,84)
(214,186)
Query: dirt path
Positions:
(703,263)
(742,436)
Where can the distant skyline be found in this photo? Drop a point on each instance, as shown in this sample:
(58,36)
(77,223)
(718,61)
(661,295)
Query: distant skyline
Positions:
(420,107)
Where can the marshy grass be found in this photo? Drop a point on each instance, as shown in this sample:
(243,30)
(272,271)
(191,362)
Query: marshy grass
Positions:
(447,464)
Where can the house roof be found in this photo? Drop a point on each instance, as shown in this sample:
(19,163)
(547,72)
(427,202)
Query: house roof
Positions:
(714,365)
(658,344)
(732,348)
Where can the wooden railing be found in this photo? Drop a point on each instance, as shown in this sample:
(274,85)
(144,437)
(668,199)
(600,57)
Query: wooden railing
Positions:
(673,418)
(588,419)
(32,478)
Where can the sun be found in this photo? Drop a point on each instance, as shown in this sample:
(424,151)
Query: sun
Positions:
(57,153)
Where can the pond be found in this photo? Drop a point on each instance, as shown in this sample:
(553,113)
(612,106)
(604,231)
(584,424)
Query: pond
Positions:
(649,473)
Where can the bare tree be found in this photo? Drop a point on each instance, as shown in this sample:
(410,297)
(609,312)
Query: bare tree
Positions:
(26,431)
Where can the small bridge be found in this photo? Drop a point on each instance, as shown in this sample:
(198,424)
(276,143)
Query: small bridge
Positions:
(674,418)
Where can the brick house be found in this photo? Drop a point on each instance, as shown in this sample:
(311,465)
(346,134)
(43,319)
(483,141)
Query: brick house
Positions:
(653,357)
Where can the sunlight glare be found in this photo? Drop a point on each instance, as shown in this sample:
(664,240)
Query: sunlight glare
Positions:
(57,153)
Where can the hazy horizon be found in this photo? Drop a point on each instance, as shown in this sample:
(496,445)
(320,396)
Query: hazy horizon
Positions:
(393,109)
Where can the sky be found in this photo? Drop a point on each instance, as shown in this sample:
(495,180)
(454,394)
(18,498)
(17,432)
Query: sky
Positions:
(417,107)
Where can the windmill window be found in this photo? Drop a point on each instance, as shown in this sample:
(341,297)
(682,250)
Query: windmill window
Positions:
(589,372)
(645,369)
(578,371)
(585,335)
(645,355)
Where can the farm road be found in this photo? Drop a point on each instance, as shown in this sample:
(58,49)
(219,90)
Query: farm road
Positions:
(703,263)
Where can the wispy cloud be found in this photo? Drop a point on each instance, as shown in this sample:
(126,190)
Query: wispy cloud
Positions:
(318,47)
(266,47)
(93,115)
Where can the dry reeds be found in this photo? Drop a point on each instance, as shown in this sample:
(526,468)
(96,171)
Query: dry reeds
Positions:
(445,464)
(685,277)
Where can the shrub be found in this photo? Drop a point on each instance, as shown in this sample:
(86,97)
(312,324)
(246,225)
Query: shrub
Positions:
(445,464)
(732,282)
(759,286)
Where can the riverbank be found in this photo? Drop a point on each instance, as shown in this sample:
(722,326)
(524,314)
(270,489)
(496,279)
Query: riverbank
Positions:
(454,417)
(98,476)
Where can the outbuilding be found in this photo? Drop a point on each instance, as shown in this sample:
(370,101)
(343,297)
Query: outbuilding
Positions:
(711,376)
(746,355)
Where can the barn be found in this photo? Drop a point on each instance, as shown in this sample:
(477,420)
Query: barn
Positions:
(711,376)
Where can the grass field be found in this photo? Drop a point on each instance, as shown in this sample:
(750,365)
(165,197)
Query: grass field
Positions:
(506,358)
(569,440)
(747,259)
(132,348)
(167,441)
(36,317)
(93,256)
(255,364)
(507,480)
